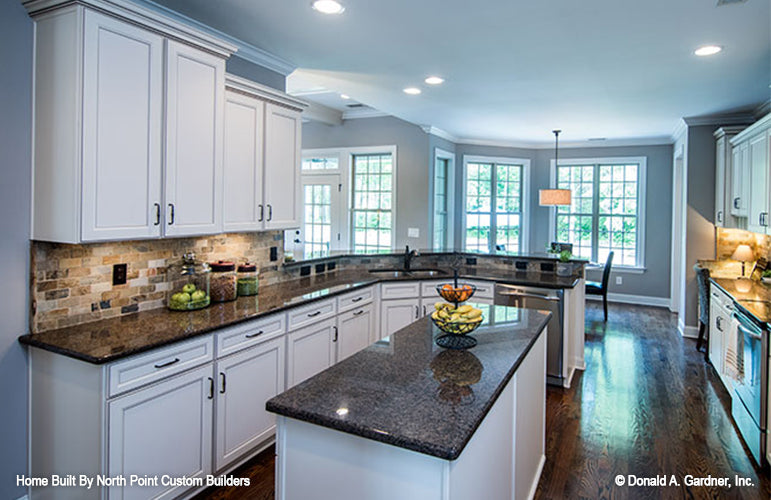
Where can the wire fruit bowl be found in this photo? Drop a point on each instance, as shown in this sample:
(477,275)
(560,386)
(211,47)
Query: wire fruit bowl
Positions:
(458,293)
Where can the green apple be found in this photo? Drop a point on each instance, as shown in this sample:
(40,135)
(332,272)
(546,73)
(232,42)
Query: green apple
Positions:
(198,295)
(189,288)
(182,298)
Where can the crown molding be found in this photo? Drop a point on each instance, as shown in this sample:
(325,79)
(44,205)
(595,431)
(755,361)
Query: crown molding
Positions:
(249,87)
(608,143)
(323,114)
(436,131)
(679,131)
(745,117)
(763,109)
(244,50)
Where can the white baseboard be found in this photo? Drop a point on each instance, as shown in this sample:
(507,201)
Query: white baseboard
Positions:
(537,478)
(641,300)
(690,332)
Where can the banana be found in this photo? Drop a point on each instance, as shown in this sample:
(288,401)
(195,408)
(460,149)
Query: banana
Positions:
(474,313)
(465,309)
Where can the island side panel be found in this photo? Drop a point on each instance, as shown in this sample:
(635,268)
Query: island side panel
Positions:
(325,464)
(530,421)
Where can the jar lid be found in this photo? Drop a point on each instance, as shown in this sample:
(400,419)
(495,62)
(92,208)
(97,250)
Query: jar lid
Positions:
(247,267)
(222,266)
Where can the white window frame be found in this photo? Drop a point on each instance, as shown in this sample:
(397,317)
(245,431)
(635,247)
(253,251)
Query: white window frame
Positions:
(345,163)
(642,182)
(524,245)
(441,154)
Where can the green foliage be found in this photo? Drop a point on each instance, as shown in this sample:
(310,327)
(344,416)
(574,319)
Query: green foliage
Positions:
(565,255)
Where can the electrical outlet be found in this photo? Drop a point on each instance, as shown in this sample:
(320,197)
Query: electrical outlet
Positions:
(619,280)
(119,272)
(413,232)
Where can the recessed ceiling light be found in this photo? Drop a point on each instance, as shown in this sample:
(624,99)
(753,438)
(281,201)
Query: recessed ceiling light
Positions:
(345,96)
(707,50)
(412,91)
(328,6)
(434,80)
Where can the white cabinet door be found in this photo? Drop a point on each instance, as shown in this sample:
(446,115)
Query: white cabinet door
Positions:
(246,381)
(166,427)
(195,102)
(757,153)
(282,167)
(739,185)
(397,313)
(244,117)
(122,113)
(717,326)
(720,181)
(356,331)
(310,350)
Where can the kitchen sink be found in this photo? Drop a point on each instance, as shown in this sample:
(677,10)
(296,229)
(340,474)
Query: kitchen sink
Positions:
(412,273)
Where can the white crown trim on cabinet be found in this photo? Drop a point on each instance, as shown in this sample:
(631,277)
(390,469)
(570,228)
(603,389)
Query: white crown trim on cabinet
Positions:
(264,92)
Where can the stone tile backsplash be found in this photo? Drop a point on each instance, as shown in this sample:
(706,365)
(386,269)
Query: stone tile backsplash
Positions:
(72,284)
(729,239)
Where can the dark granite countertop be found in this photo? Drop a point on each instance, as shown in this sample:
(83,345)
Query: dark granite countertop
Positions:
(406,391)
(755,301)
(111,339)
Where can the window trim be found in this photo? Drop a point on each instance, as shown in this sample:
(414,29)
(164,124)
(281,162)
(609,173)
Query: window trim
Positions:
(442,154)
(524,245)
(642,183)
(374,150)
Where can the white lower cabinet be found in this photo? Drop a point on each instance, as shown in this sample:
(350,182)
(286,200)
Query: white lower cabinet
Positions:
(395,314)
(355,329)
(310,350)
(246,381)
(163,429)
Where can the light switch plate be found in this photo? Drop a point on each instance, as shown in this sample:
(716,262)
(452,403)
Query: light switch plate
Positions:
(413,232)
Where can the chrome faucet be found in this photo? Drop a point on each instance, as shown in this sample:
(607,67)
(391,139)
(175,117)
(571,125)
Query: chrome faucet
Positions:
(408,255)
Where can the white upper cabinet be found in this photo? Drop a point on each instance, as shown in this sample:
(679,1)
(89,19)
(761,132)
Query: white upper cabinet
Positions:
(195,102)
(123,95)
(739,181)
(724,179)
(757,154)
(751,164)
(262,157)
(107,106)
(244,125)
(282,167)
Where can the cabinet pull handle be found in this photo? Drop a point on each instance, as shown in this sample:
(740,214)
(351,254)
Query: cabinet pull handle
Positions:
(720,216)
(424,310)
(717,323)
(357,299)
(211,388)
(171,214)
(357,313)
(252,335)
(224,383)
(736,202)
(314,314)
(270,211)
(157,214)
(334,339)
(169,363)
(262,213)
(417,312)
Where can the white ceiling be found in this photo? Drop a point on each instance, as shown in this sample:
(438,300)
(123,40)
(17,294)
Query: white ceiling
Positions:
(516,70)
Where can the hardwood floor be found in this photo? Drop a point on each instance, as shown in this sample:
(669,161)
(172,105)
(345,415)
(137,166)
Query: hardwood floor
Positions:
(647,405)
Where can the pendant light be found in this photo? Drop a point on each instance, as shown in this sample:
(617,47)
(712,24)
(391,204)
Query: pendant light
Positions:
(555,197)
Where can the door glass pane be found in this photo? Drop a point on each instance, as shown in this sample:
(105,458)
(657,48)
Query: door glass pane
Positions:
(440,204)
(318,220)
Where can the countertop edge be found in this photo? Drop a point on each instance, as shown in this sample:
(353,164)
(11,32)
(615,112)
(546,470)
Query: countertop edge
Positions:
(738,303)
(418,446)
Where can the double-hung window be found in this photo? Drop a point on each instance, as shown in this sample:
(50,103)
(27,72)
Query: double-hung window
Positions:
(607,210)
(495,204)
(372,210)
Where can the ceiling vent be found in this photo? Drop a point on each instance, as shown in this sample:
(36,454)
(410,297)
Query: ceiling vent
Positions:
(726,2)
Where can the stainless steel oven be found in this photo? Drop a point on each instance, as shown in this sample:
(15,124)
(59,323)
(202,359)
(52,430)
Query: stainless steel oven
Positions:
(544,299)
(750,402)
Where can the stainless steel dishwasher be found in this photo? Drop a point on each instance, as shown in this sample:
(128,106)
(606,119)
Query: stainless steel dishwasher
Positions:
(545,299)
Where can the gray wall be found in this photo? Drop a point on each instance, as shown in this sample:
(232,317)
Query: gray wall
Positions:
(412,152)
(700,209)
(15,144)
(256,73)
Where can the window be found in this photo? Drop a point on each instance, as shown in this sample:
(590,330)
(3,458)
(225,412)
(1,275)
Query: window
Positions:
(496,192)
(443,195)
(317,220)
(606,213)
(316,163)
(372,203)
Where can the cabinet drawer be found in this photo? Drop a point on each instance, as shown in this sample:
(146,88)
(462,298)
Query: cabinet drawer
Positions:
(485,289)
(354,299)
(160,363)
(428,288)
(719,296)
(236,338)
(400,290)
(311,313)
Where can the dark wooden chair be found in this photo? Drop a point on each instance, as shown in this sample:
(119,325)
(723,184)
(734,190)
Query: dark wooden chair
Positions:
(594,288)
(702,281)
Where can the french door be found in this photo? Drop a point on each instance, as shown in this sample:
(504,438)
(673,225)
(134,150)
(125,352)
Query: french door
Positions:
(321,229)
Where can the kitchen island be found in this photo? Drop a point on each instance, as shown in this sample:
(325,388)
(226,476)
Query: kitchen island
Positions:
(405,418)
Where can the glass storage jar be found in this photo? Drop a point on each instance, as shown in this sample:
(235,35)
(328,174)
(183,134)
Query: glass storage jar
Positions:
(188,284)
(247,280)
(223,281)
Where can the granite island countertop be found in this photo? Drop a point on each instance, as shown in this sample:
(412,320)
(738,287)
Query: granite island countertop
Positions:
(755,301)
(408,392)
(115,338)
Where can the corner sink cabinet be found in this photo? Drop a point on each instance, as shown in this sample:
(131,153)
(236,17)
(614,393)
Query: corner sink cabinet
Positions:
(130,128)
